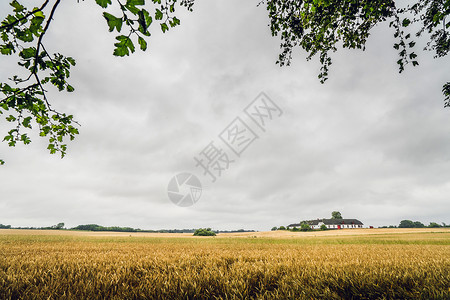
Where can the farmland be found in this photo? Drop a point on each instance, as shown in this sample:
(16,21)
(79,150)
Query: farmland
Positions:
(359,264)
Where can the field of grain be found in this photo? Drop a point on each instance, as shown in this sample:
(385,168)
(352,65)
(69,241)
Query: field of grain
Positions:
(381,265)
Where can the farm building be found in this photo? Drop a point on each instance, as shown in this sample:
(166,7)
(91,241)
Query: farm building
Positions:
(330,223)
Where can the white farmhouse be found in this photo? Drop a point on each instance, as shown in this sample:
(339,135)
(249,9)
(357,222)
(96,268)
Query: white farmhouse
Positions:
(330,223)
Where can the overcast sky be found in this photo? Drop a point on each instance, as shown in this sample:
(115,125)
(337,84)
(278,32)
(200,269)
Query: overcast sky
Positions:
(370,143)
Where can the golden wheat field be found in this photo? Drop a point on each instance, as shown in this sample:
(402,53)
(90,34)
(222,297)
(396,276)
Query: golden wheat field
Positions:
(383,265)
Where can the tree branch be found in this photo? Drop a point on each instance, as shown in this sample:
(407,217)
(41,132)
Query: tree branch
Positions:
(38,46)
(11,25)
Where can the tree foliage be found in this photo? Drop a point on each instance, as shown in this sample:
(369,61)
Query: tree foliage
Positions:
(95,227)
(434,225)
(336,215)
(410,224)
(204,232)
(305,227)
(23,99)
(319,27)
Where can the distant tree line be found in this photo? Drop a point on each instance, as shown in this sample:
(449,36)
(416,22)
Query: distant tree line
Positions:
(58,226)
(416,224)
(96,227)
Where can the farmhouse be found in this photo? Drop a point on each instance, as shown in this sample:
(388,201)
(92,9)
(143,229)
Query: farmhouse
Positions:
(330,223)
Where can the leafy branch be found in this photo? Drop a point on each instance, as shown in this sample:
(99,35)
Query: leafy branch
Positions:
(138,20)
(24,101)
(320,26)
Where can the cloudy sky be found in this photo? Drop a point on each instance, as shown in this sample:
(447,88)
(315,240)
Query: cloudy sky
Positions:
(371,143)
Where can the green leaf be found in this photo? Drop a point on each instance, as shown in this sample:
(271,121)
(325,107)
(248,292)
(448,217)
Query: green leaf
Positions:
(2,162)
(35,26)
(25,139)
(135,2)
(26,122)
(24,35)
(406,22)
(134,10)
(10,118)
(5,37)
(158,15)
(27,53)
(144,21)
(164,27)
(17,6)
(131,5)
(103,3)
(7,49)
(142,43)
(39,14)
(71,61)
(123,46)
(45,130)
(113,22)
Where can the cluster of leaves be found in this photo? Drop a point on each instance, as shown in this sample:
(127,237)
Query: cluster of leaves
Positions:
(138,21)
(204,232)
(320,26)
(24,99)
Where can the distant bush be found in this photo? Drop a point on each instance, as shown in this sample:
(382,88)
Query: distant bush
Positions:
(204,232)
(5,226)
(323,227)
(274,228)
(305,227)
(281,228)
